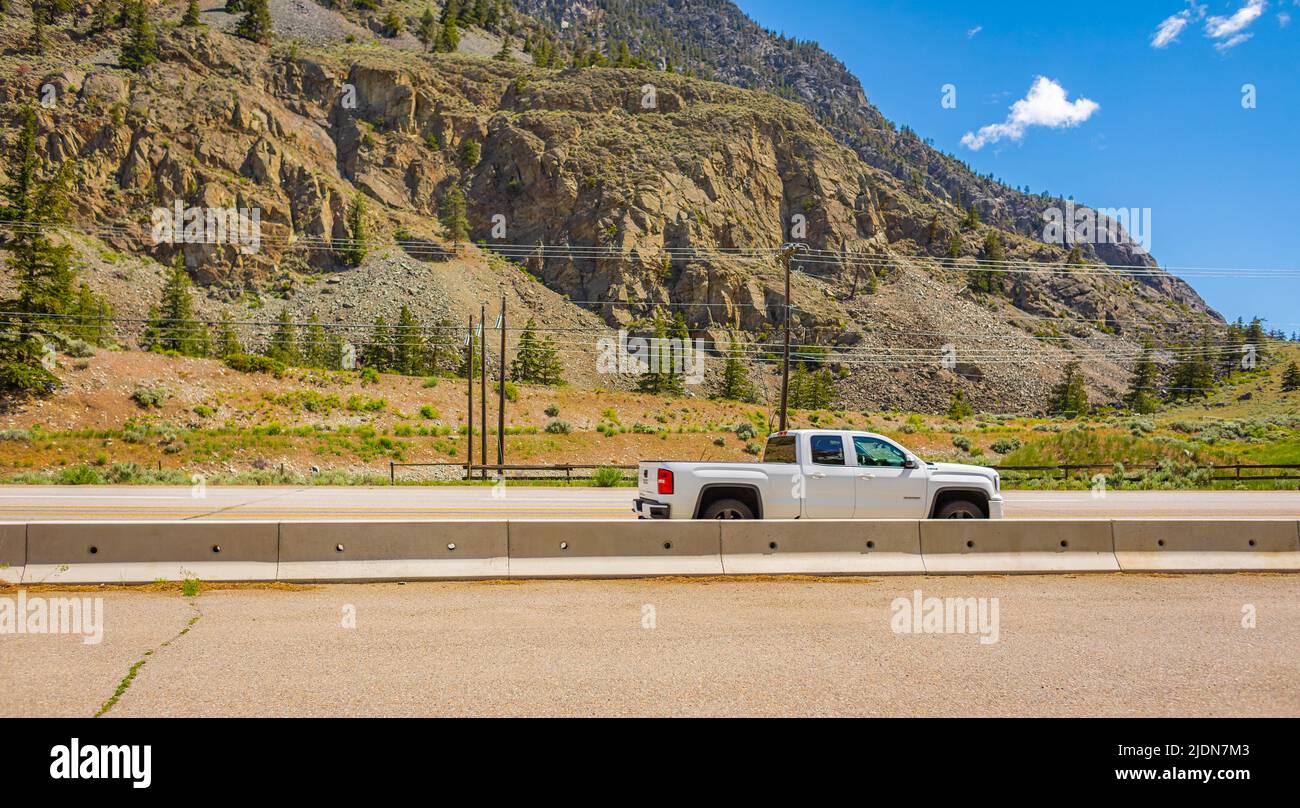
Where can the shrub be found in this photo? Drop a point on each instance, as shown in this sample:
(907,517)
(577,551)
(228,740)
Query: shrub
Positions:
(1005,445)
(558,428)
(79,349)
(746,431)
(369,376)
(961,442)
(151,397)
(606,477)
(512,392)
(203,411)
(753,448)
(78,475)
(430,382)
(719,441)
(552,411)
(429,413)
(18,435)
(252,363)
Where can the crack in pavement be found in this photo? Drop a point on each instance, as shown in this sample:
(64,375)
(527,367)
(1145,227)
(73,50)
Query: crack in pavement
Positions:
(127,680)
(244,504)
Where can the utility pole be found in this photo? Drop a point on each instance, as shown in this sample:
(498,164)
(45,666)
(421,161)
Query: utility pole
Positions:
(469,409)
(787,251)
(482,379)
(501,390)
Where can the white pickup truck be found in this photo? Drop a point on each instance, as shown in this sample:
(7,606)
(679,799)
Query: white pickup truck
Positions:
(819,474)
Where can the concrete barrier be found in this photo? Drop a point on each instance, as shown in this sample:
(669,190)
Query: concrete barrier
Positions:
(1171,545)
(389,551)
(622,549)
(142,552)
(1017,546)
(13,552)
(838,547)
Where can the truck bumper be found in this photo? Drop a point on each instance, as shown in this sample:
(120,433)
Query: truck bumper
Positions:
(995,508)
(649,509)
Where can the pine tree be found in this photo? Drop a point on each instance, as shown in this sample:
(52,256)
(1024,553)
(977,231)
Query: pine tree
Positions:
(959,407)
(536,361)
(954,246)
(379,353)
(1193,375)
(175,328)
(1070,397)
(38,40)
(972,219)
(1255,336)
(427,31)
(1141,397)
(1291,378)
(283,347)
(408,347)
(140,48)
(660,378)
(255,25)
(736,383)
(227,340)
(453,215)
(354,251)
(191,18)
(503,55)
(449,37)
(994,254)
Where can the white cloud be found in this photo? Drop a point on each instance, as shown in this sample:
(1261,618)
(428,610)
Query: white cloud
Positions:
(1171,27)
(1045,105)
(1284,19)
(972,32)
(1228,30)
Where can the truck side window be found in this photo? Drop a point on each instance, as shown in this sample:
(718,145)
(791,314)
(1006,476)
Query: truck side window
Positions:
(875,452)
(780,449)
(827,450)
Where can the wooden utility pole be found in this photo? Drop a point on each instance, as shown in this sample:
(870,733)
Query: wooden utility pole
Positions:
(787,251)
(482,366)
(469,409)
(501,391)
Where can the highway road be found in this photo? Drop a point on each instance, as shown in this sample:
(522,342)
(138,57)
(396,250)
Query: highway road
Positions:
(1107,645)
(57,503)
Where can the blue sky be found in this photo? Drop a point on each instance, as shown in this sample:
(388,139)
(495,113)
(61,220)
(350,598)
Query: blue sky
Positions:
(1168,131)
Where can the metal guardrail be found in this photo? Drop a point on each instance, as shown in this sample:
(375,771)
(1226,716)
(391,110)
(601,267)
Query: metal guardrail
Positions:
(567,469)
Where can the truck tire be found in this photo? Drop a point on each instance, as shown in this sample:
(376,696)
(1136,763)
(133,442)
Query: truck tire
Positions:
(960,509)
(728,509)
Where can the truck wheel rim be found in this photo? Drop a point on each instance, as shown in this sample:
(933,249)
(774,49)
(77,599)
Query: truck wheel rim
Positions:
(961,514)
(729,513)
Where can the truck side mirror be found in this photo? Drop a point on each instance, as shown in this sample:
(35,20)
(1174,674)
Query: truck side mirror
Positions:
(910,463)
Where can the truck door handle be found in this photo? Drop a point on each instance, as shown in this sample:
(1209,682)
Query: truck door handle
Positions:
(817,476)
(866,476)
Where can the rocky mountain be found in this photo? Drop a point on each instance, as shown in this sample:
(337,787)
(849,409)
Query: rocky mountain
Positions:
(641,183)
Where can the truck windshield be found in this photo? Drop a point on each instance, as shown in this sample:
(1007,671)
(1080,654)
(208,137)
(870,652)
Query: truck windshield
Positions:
(780,449)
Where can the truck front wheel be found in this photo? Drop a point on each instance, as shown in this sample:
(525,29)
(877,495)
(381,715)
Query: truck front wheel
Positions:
(960,509)
(728,509)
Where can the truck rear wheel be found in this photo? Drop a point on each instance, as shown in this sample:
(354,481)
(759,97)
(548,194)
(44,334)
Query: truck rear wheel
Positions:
(728,509)
(960,509)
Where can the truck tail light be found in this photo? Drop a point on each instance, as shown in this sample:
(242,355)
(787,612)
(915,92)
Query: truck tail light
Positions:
(665,481)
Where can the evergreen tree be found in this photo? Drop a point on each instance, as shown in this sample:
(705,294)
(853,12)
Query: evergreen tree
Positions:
(1069,397)
(994,254)
(379,353)
(1141,397)
(427,30)
(354,251)
(448,37)
(503,55)
(227,340)
(1193,375)
(191,18)
(536,360)
(453,215)
(283,347)
(38,40)
(1291,378)
(959,407)
(140,48)
(175,328)
(255,25)
(1255,336)
(972,219)
(660,377)
(408,346)
(736,383)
